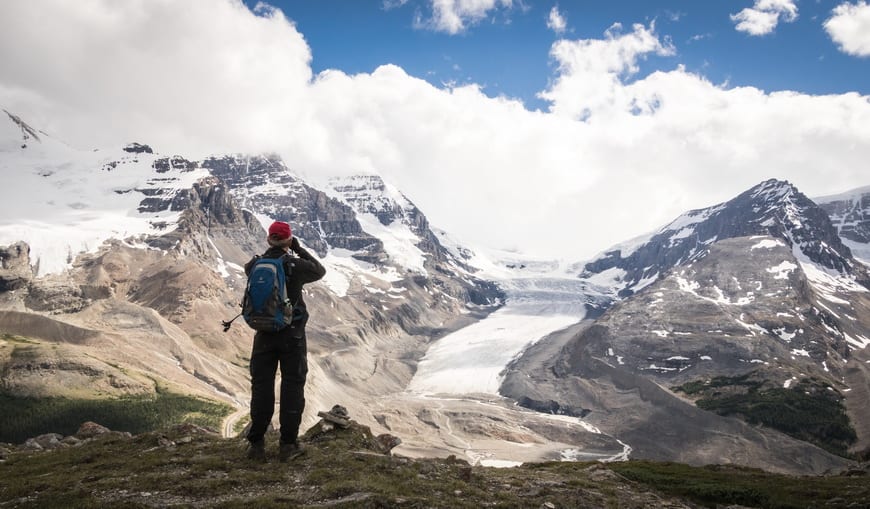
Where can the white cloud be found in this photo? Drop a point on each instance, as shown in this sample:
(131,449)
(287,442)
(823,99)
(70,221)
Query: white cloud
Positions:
(393,4)
(455,16)
(849,27)
(174,70)
(763,17)
(486,169)
(591,70)
(556,21)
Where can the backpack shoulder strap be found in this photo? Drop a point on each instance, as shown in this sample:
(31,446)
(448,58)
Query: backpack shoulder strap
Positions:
(251,262)
(288,264)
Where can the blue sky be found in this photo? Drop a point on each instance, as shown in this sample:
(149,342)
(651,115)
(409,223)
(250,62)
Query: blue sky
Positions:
(507,52)
(504,131)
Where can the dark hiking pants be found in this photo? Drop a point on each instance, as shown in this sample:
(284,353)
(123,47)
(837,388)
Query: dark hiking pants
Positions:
(270,350)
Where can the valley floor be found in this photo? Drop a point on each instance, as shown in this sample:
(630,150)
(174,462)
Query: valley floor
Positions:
(453,405)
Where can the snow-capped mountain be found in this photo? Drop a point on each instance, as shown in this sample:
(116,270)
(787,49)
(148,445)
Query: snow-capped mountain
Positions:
(62,201)
(361,225)
(116,267)
(751,302)
(774,208)
(127,260)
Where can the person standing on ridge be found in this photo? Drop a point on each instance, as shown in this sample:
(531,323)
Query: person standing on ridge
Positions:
(286,347)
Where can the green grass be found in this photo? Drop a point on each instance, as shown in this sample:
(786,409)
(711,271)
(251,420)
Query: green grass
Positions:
(12,338)
(724,485)
(185,467)
(23,418)
(809,411)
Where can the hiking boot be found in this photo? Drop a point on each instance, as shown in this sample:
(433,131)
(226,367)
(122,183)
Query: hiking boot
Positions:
(257,451)
(290,451)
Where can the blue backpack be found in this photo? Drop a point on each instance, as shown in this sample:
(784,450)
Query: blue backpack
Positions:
(265,306)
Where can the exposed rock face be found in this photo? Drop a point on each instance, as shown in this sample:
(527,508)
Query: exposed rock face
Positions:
(369,194)
(138,148)
(265,185)
(27,133)
(55,295)
(745,305)
(774,208)
(15,271)
(850,214)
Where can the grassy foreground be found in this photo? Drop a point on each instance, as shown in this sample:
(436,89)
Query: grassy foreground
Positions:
(23,418)
(186,466)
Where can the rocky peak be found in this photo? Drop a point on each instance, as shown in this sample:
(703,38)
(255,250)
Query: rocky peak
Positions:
(774,208)
(784,212)
(138,148)
(15,270)
(850,214)
(265,186)
(27,132)
(369,194)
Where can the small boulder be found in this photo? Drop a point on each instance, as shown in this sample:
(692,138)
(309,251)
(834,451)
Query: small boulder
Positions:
(90,430)
(71,441)
(32,445)
(50,441)
(387,442)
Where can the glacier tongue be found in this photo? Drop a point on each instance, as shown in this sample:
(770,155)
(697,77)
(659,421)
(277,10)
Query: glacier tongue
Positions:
(471,360)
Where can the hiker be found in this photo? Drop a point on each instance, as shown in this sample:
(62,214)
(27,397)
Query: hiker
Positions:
(286,347)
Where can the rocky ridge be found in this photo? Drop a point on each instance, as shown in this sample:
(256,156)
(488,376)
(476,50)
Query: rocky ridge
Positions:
(774,208)
(762,301)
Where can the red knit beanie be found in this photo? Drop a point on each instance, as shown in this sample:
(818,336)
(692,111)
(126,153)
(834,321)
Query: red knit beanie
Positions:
(281,230)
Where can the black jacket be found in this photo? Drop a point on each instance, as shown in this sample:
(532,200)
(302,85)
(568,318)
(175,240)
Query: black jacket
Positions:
(302,268)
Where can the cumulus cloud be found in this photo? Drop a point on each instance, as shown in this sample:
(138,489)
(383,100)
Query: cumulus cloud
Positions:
(556,21)
(849,27)
(763,17)
(591,70)
(173,70)
(617,155)
(455,16)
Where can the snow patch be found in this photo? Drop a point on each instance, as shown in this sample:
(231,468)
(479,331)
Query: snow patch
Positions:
(342,269)
(859,342)
(400,243)
(767,243)
(785,336)
(782,270)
